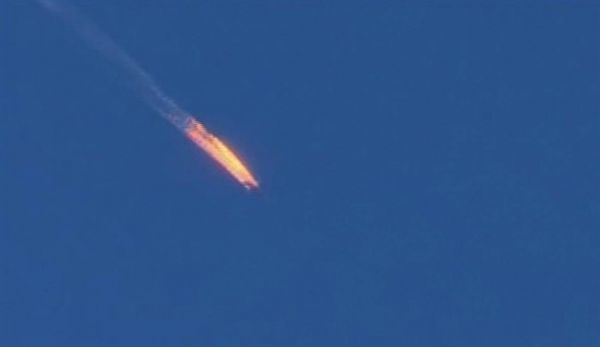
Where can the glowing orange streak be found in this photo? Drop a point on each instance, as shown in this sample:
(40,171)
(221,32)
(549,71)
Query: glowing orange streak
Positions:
(220,152)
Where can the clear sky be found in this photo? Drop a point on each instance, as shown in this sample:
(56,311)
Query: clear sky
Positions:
(429,171)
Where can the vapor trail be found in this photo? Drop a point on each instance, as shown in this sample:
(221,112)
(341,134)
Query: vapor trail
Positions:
(102,43)
(145,85)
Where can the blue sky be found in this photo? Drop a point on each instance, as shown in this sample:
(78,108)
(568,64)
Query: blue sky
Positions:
(429,176)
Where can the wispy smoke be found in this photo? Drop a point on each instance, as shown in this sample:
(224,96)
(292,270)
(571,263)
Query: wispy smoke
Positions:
(140,80)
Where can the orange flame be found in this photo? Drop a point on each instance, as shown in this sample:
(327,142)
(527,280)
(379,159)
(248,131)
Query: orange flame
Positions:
(221,153)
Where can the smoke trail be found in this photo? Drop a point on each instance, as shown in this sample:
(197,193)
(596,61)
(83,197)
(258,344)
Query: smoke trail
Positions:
(152,94)
(139,78)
